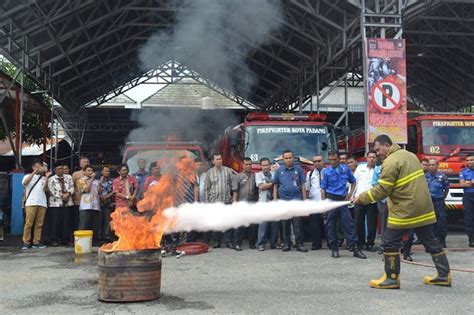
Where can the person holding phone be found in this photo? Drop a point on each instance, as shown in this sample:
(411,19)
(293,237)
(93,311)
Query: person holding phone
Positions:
(36,185)
(89,208)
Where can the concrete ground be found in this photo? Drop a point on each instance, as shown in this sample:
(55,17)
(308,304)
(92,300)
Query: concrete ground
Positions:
(51,280)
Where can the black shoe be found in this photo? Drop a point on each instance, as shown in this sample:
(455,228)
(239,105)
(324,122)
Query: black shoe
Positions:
(286,248)
(349,248)
(216,246)
(252,246)
(238,248)
(25,246)
(229,245)
(340,242)
(301,249)
(316,247)
(359,254)
(370,248)
(380,252)
(407,257)
(335,254)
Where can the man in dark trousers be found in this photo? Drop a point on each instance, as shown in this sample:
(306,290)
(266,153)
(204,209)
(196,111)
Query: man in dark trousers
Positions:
(466,179)
(61,189)
(334,187)
(313,189)
(245,189)
(409,207)
(363,175)
(438,184)
(218,188)
(288,184)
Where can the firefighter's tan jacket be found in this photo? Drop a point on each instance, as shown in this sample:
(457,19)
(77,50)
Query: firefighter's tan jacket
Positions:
(402,180)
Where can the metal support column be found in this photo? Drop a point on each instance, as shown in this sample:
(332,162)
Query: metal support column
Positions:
(4,120)
(383,18)
(22,90)
(51,131)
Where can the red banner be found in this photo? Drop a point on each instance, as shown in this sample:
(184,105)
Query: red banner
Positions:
(386,84)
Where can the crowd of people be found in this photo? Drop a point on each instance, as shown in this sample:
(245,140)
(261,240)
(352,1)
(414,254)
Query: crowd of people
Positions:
(57,205)
(390,190)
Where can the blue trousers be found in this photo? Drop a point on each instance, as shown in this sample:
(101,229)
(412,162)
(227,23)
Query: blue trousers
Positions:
(346,222)
(268,230)
(468,204)
(441,227)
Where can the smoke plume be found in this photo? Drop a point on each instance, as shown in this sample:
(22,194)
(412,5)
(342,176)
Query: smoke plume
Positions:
(214,38)
(219,217)
(184,124)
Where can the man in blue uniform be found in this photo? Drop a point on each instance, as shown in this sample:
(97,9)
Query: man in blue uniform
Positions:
(466,179)
(334,187)
(438,185)
(288,184)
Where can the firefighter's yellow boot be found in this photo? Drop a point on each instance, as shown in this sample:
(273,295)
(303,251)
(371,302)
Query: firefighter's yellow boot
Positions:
(443,276)
(391,276)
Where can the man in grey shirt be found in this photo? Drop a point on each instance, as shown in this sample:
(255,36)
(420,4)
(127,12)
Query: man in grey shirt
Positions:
(219,189)
(245,189)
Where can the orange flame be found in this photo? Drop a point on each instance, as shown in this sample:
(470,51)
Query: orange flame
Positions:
(144,229)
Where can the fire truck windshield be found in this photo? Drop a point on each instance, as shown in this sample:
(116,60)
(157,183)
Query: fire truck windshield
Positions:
(445,137)
(303,140)
(165,157)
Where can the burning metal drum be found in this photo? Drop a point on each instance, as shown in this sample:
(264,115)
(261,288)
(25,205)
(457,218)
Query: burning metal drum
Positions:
(129,276)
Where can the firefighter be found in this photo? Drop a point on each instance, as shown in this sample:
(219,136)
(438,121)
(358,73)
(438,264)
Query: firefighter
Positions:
(466,179)
(438,185)
(409,206)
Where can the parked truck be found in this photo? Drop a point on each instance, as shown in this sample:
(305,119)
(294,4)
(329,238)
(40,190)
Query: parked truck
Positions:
(166,153)
(268,135)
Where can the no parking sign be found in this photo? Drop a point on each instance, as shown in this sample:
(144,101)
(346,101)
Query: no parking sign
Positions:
(386,96)
(386,89)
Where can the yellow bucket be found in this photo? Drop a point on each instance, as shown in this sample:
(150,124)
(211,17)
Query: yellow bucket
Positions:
(83,241)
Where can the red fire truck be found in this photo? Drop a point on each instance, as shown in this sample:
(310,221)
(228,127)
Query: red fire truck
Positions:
(166,153)
(268,135)
(447,137)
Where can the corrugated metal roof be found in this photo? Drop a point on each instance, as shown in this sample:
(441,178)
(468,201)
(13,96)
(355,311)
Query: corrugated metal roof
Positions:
(188,93)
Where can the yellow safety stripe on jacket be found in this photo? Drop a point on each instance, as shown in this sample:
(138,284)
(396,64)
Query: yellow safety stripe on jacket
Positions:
(405,180)
(370,196)
(385,182)
(418,219)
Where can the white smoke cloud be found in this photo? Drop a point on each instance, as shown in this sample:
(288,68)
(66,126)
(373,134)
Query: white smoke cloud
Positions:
(219,217)
(215,37)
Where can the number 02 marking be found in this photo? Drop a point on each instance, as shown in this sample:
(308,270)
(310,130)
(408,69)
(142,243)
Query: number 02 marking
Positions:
(435,149)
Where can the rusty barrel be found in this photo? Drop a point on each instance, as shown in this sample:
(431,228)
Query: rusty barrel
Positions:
(129,276)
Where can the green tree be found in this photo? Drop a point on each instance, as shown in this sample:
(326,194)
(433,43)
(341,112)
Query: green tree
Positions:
(32,132)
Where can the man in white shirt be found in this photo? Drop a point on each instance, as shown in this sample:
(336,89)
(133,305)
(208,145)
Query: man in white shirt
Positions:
(35,184)
(364,174)
(313,187)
